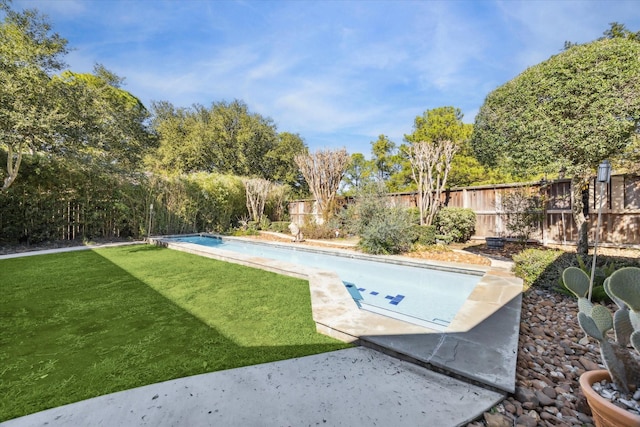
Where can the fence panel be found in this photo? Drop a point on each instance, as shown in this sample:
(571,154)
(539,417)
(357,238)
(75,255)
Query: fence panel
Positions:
(620,209)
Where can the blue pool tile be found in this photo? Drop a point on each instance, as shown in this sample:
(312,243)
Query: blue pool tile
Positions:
(395,300)
(362,289)
(374,293)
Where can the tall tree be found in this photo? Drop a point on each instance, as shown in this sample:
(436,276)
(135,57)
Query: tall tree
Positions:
(114,129)
(571,111)
(358,173)
(323,171)
(30,107)
(384,159)
(438,135)
(173,128)
(466,170)
(225,138)
(241,139)
(280,165)
(620,31)
(401,179)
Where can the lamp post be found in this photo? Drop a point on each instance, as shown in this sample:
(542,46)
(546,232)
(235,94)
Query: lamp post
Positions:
(604,174)
(150,220)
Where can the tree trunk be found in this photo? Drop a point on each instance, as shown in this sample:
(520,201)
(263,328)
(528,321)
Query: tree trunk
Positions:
(578,183)
(13,165)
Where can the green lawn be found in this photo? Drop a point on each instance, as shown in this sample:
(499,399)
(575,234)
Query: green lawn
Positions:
(82,324)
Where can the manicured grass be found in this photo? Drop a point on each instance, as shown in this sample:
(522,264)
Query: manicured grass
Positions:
(82,324)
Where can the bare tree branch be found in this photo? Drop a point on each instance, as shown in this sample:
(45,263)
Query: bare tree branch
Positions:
(323,171)
(257,190)
(430,166)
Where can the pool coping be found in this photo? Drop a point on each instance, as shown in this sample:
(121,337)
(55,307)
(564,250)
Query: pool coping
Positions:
(480,344)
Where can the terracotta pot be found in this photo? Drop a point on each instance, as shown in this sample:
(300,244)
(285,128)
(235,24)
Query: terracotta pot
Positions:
(605,413)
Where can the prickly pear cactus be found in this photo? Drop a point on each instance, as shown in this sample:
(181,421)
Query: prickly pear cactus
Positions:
(623,287)
(577,282)
(621,319)
(597,323)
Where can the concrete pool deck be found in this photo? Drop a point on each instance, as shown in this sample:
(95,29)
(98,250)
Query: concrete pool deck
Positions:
(358,386)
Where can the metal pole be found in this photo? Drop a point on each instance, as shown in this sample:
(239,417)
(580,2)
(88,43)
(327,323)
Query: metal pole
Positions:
(595,242)
(150,216)
(604,174)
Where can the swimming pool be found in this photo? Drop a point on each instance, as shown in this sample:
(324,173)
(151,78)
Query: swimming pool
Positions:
(415,294)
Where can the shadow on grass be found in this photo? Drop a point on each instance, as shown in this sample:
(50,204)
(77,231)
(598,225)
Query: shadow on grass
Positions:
(82,324)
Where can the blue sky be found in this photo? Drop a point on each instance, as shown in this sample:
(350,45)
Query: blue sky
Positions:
(339,73)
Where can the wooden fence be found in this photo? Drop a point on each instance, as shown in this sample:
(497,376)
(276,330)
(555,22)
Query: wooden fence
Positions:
(620,209)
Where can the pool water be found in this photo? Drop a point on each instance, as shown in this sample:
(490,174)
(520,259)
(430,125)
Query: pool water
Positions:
(418,295)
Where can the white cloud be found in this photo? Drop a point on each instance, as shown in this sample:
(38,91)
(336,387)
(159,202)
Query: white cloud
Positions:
(336,72)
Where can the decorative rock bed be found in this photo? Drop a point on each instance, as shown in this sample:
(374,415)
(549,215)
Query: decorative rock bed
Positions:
(550,361)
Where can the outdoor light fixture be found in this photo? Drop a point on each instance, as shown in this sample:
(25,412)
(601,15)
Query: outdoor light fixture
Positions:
(604,175)
(604,171)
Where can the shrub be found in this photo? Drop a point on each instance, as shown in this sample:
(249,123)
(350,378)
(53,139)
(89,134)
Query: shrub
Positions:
(387,233)
(423,234)
(459,223)
(313,230)
(414,212)
(280,226)
(605,267)
(522,214)
(382,227)
(442,239)
(264,223)
(543,268)
(536,267)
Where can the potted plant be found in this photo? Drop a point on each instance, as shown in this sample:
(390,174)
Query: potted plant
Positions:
(623,368)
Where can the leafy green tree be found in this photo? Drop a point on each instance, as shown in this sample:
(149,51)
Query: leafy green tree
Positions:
(615,31)
(30,109)
(358,173)
(173,128)
(438,134)
(113,128)
(402,177)
(281,165)
(240,139)
(384,157)
(620,31)
(225,138)
(573,110)
(466,170)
